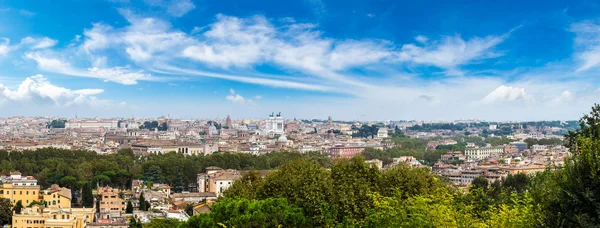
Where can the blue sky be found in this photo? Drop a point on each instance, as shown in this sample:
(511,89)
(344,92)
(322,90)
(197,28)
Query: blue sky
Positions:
(352,60)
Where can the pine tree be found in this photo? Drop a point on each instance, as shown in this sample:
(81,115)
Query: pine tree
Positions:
(142,202)
(18,207)
(129,208)
(87,196)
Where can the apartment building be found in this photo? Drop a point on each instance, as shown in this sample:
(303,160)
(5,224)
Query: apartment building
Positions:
(483,152)
(345,151)
(39,217)
(57,197)
(110,202)
(19,188)
(216,180)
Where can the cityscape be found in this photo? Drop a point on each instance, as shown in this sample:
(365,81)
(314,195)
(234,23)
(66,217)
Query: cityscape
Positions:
(308,113)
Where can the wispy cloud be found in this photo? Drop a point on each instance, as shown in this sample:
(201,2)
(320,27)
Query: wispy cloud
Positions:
(318,7)
(27,13)
(176,8)
(587,44)
(121,75)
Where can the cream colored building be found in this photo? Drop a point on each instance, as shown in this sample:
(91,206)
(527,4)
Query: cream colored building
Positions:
(39,217)
(110,203)
(57,197)
(483,152)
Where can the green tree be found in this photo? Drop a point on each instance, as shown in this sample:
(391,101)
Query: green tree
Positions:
(134,223)
(569,195)
(241,213)
(162,223)
(246,186)
(518,182)
(68,181)
(521,212)
(101,180)
(142,202)
(129,208)
(189,209)
(353,181)
(87,198)
(480,182)
(5,212)
(303,183)
(18,207)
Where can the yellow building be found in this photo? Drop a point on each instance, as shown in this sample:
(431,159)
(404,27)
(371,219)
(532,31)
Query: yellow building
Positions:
(38,217)
(57,197)
(18,188)
(110,202)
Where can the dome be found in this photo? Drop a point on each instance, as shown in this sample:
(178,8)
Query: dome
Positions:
(282,139)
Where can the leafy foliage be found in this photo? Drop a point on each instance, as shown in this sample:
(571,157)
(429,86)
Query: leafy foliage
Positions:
(5,212)
(230,212)
(56,124)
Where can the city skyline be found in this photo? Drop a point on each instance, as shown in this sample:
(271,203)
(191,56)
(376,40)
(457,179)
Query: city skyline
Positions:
(353,60)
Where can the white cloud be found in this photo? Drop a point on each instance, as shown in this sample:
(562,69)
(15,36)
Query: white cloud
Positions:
(587,44)
(29,42)
(98,37)
(258,97)
(4,46)
(179,8)
(421,39)
(38,43)
(37,90)
(506,93)
(250,80)
(233,41)
(565,97)
(176,8)
(452,51)
(121,75)
(235,98)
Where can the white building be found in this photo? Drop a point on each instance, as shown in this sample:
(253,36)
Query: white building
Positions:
(275,125)
(382,133)
(110,124)
(483,153)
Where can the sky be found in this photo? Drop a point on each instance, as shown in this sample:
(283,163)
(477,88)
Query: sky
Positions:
(351,60)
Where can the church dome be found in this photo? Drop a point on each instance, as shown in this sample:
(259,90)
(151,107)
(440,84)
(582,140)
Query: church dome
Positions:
(282,139)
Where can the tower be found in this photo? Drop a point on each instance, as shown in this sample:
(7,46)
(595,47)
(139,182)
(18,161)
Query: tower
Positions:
(228,122)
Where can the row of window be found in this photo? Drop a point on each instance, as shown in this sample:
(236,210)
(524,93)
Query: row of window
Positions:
(31,221)
(15,192)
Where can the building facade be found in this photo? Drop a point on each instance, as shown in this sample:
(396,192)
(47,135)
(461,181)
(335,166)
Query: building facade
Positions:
(57,197)
(275,125)
(483,152)
(216,180)
(19,188)
(110,202)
